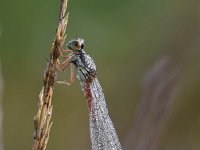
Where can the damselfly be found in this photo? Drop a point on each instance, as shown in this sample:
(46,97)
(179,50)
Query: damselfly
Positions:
(102,132)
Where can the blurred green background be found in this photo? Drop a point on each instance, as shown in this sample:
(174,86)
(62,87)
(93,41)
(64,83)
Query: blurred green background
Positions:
(125,38)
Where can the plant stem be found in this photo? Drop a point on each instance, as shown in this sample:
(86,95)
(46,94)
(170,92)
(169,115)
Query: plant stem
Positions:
(42,119)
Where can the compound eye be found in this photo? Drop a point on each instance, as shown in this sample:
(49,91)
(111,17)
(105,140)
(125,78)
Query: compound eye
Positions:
(75,43)
(82,45)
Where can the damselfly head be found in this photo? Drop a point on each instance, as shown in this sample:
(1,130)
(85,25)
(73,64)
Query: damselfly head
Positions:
(76,44)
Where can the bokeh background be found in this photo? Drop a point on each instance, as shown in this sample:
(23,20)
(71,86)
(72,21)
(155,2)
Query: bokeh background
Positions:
(125,38)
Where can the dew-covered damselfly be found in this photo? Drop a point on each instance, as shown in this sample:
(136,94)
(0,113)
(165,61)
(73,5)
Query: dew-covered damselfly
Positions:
(102,132)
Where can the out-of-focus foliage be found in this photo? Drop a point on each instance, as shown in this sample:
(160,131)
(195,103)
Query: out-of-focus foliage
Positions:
(125,38)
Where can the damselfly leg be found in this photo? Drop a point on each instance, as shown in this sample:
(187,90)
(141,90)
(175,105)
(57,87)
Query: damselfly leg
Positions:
(62,66)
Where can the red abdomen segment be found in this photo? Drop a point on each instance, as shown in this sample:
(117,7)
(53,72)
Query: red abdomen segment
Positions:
(88,95)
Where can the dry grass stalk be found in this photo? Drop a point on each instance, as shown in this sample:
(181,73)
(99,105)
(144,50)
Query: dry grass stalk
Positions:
(160,88)
(42,119)
(1,110)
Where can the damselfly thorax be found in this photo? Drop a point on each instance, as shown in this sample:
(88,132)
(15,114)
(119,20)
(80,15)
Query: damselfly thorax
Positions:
(84,65)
